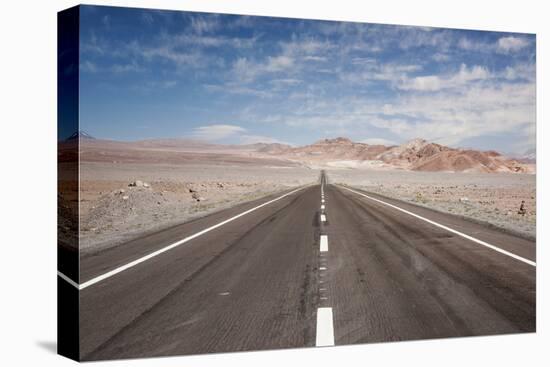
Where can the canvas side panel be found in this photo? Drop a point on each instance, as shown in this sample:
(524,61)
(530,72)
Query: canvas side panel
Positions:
(67,180)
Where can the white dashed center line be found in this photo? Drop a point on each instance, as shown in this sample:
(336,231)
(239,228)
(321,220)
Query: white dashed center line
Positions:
(325,328)
(323,244)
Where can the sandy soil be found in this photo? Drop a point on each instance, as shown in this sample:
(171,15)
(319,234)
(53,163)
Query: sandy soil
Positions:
(492,198)
(113,212)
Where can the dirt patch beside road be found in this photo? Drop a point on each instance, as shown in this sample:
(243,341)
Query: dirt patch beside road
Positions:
(114,210)
(493,198)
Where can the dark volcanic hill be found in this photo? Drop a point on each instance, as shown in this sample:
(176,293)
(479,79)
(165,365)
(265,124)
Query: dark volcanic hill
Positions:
(80,135)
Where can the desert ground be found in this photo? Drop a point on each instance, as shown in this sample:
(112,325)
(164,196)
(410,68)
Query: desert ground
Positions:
(130,189)
(492,198)
(113,212)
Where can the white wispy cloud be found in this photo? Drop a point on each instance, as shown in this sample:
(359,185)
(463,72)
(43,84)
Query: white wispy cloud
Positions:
(505,45)
(436,82)
(180,58)
(132,67)
(307,47)
(236,133)
(440,56)
(511,44)
(147,18)
(162,84)
(316,58)
(285,81)
(451,118)
(466,74)
(94,45)
(207,40)
(236,88)
(245,70)
(290,59)
(371,70)
(216,132)
(413,37)
(468,44)
(423,83)
(106,20)
(521,71)
(183,50)
(278,63)
(89,67)
(204,24)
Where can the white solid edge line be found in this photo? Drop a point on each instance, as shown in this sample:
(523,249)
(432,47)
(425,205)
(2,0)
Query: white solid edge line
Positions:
(68,280)
(468,237)
(325,328)
(323,243)
(176,244)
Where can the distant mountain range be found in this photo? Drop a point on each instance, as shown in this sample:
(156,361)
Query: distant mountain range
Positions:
(415,155)
(341,152)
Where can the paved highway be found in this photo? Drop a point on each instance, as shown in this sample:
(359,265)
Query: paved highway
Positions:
(318,266)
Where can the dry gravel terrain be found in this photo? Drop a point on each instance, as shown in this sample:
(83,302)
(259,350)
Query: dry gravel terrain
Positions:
(179,180)
(113,212)
(493,198)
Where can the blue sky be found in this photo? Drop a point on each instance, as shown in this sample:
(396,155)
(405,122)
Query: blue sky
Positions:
(241,79)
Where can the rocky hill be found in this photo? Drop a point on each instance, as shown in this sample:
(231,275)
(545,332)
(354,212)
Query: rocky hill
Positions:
(336,149)
(416,155)
(421,155)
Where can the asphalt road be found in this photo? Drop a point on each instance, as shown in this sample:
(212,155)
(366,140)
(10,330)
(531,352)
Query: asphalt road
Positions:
(294,274)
